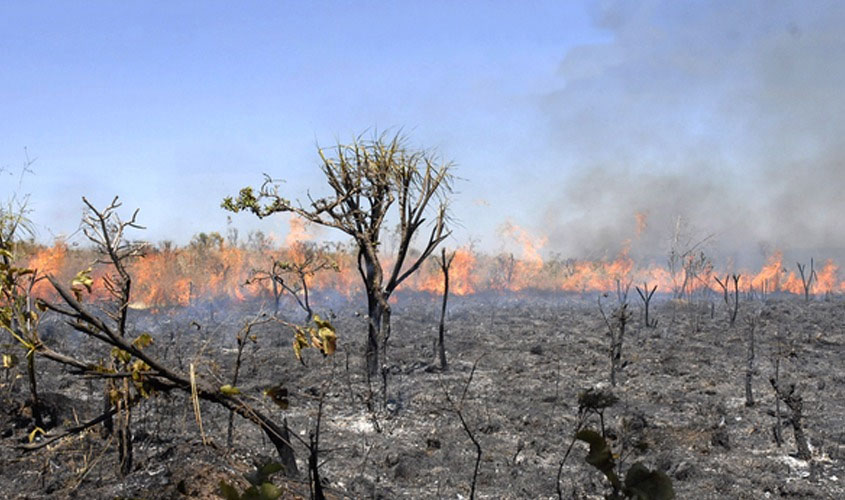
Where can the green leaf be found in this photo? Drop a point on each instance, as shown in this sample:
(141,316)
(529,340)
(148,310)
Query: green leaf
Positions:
(279,395)
(269,491)
(328,340)
(229,390)
(263,473)
(120,354)
(83,279)
(228,491)
(643,484)
(268,470)
(600,455)
(142,341)
(299,343)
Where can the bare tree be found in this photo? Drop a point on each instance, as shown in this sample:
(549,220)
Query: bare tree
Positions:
(645,296)
(725,286)
(807,278)
(292,275)
(616,325)
(685,256)
(369,181)
(458,408)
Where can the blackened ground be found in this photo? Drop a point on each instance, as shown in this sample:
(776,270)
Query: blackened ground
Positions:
(681,403)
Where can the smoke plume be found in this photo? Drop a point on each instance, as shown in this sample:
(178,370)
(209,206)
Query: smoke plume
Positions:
(727,114)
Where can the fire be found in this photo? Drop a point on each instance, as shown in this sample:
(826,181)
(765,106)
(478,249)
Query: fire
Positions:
(209,269)
(642,222)
(297,232)
(769,278)
(526,269)
(825,281)
(462,278)
(48,261)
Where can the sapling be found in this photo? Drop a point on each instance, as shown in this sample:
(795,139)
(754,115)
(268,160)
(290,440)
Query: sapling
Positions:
(458,408)
(725,285)
(293,275)
(17,316)
(640,482)
(807,279)
(646,295)
(242,337)
(616,325)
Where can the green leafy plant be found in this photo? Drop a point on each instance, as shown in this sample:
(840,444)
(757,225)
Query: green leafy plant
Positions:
(640,482)
(260,486)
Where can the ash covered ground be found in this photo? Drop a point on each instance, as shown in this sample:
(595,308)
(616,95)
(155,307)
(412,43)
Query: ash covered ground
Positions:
(681,403)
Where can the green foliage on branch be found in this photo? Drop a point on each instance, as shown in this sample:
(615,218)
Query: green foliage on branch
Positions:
(640,482)
(260,486)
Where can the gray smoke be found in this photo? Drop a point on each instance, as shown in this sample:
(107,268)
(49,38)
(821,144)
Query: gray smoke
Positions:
(729,114)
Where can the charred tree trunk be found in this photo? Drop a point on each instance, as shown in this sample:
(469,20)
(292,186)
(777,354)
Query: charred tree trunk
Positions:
(777,429)
(807,279)
(616,347)
(277,297)
(646,296)
(370,269)
(445,264)
(736,298)
(441,334)
(124,431)
(385,337)
(108,422)
(33,389)
(795,402)
(371,351)
(749,368)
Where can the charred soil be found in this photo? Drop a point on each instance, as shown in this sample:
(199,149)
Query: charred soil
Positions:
(681,403)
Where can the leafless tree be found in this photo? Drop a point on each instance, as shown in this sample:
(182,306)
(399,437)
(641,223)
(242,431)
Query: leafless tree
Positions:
(725,286)
(686,259)
(370,181)
(458,408)
(616,325)
(807,278)
(292,275)
(645,296)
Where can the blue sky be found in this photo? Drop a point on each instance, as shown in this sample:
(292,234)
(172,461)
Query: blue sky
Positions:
(566,118)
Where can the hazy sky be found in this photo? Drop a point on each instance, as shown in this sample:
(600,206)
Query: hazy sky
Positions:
(566,118)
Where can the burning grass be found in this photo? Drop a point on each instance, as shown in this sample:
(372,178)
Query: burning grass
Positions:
(209,269)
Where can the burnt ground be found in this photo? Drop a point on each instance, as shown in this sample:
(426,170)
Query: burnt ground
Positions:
(681,405)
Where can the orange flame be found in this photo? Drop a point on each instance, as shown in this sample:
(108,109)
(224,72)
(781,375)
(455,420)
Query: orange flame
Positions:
(173,277)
